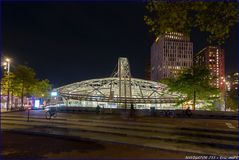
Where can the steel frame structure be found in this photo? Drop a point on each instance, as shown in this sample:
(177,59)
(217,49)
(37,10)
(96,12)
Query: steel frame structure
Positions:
(120,88)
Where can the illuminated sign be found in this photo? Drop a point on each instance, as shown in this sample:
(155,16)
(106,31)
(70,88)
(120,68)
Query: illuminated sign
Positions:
(37,104)
(53,93)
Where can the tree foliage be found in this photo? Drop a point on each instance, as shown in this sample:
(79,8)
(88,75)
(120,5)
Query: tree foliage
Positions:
(41,88)
(232,100)
(25,77)
(22,82)
(215,18)
(194,83)
(11,83)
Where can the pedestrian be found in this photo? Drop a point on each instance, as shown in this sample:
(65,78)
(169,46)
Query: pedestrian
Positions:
(131,110)
(97,109)
(188,112)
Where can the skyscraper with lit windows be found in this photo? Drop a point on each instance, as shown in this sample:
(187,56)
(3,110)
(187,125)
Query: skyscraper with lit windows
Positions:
(170,54)
(232,82)
(213,58)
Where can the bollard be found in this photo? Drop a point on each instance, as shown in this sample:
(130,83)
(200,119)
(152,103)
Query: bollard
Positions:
(28,114)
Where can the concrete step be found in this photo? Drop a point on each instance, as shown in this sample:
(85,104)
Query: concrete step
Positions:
(220,143)
(216,134)
(203,128)
(152,143)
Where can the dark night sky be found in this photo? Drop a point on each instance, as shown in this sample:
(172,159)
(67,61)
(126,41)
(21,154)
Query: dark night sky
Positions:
(66,42)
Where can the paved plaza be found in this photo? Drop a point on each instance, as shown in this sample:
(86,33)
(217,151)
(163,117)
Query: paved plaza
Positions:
(181,136)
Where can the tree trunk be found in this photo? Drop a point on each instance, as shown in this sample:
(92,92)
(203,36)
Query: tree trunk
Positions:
(16,103)
(8,92)
(22,95)
(22,98)
(194,99)
(11,100)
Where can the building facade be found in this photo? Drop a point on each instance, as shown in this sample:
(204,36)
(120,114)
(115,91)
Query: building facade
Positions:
(213,58)
(170,54)
(235,81)
(228,83)
(147,70)
(232,82)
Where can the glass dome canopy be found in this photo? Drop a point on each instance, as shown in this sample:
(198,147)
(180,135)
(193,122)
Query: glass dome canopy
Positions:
(121,88)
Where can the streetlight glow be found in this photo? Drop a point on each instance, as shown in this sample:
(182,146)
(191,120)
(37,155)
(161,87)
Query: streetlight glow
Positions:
(7,59)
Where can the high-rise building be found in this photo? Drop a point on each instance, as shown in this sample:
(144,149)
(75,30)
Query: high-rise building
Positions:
(170,54)
(213,58)
(228,83)
(232,82)
(235,81)
(147,70)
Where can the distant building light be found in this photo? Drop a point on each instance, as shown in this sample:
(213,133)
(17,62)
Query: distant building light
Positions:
(157,39)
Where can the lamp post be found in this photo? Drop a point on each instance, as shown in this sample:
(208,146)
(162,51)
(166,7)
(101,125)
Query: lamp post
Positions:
(224,83)
(8,81)
(227,88)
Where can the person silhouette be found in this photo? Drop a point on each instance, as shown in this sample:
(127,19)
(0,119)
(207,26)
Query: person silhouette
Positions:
(188,112)
(97,109)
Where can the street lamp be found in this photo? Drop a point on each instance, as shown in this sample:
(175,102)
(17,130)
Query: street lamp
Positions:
(225,92)
(7,63)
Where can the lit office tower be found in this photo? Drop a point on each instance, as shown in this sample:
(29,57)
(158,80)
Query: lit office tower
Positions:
(170,54)
(213,58)
(235,81)
(232,82)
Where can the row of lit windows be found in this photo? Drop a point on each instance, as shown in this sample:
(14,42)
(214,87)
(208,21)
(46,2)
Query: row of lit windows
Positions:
(177,45)
(213,66)
(174,51)
(174,37)
(187,56)
(173,63)
(213,55)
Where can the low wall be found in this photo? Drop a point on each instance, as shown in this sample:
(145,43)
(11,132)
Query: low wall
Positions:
(152,112)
